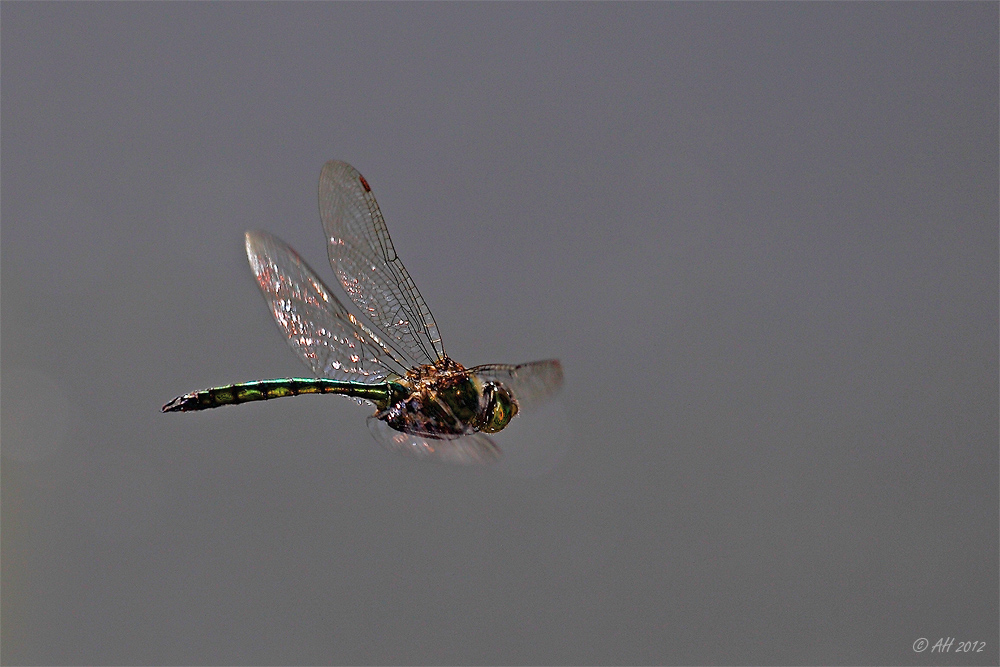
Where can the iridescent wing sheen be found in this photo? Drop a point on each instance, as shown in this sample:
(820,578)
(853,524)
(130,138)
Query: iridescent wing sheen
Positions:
(367,266)
(473,449)
(530,384)
(331,341)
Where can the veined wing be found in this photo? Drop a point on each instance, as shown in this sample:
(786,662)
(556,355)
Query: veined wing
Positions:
(367,266)
(331,341)
(530,384)
(473,449)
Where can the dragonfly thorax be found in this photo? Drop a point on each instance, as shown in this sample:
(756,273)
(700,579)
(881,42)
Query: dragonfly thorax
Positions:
(445,400)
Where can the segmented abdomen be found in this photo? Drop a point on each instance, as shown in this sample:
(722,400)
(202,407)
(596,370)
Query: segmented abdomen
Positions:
(265,390)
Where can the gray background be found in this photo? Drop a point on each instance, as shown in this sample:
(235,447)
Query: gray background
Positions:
(761,238)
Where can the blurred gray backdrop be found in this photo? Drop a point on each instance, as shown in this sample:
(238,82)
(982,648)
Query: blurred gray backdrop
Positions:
(762,238)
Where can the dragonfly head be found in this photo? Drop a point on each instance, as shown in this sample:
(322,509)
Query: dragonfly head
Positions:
(498,408)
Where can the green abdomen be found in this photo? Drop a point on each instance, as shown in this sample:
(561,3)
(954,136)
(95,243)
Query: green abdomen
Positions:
(265,390)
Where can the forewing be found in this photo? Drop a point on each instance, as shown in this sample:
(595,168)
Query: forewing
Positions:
(366,264)
(474,449)
(530,384)
(331,341)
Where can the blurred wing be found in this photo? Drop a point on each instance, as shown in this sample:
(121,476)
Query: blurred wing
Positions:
(530,384)
(331,341)
(474,449)
(366,264)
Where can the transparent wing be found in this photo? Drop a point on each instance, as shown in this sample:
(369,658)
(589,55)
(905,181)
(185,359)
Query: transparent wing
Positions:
(474,449)
(366,264)
(331,341)
(530,384)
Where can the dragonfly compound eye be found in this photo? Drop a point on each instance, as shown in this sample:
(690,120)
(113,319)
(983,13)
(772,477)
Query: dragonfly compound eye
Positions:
(500,408)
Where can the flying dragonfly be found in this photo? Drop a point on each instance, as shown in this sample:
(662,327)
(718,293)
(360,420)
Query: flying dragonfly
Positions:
(427,405)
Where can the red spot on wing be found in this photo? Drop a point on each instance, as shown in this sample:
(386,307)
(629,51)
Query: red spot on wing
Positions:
(367,187)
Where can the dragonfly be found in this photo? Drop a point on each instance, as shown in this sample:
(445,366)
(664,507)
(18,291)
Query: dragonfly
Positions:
(426,404)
